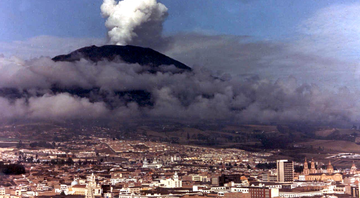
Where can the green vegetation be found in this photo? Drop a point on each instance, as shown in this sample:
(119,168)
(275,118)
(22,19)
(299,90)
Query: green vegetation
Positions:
(266,166)
(12,169)
(41,144)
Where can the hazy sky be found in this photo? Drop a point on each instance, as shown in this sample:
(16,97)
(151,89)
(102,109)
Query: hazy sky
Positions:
(314,41)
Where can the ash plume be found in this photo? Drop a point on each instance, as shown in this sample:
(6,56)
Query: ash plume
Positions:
(135,22)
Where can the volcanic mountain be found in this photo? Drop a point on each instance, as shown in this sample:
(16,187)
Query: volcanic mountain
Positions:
(129,54)
(150,60)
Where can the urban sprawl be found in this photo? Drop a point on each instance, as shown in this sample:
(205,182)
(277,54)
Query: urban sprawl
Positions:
(106,167)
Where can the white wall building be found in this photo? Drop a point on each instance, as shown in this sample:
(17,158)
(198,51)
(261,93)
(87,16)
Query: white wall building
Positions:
(154,164)
(171,182)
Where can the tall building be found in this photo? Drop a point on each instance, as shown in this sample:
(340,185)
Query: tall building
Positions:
(285,171)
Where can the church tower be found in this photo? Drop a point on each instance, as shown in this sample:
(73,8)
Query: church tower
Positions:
(330,168)
(91,184)
(353,169)
(306,170)
(91,180)
(312,168)
(176,177)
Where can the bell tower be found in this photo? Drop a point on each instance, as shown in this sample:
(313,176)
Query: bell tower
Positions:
(312,168)
(330,168)
(306,170)
(353,169)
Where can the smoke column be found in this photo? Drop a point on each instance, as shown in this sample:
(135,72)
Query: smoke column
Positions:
(135,22)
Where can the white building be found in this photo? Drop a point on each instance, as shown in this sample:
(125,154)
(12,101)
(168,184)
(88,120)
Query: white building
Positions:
(300,194)
(237,189)
(2,191)
(89,190)
(171,182)
(154,164)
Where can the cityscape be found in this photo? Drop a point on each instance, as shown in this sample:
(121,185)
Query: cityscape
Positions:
(100,166)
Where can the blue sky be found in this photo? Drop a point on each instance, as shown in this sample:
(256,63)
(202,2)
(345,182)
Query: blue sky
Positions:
(314,41)
(264,19)
(22,19)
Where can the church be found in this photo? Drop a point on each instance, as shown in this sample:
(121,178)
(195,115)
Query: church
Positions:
(155,164)
(313,174)
(353,169)
(90,190)
(171,182)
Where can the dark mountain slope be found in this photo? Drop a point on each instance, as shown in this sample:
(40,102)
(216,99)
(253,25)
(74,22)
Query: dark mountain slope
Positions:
(128,53)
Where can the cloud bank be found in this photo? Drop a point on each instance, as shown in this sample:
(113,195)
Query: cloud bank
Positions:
(27,92)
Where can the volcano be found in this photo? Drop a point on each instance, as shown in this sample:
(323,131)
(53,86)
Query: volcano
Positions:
(128,54)
(150,60)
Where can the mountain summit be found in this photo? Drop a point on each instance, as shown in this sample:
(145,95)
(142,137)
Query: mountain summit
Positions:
(129,54)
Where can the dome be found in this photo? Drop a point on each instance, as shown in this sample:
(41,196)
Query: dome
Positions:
(353,166)
(73,183)
(330,168)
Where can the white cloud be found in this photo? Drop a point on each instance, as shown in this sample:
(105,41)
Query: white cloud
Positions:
(188,96)
(64,106)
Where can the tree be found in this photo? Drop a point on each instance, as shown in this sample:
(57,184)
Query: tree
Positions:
(69,161)
(20,144)
(13,169)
